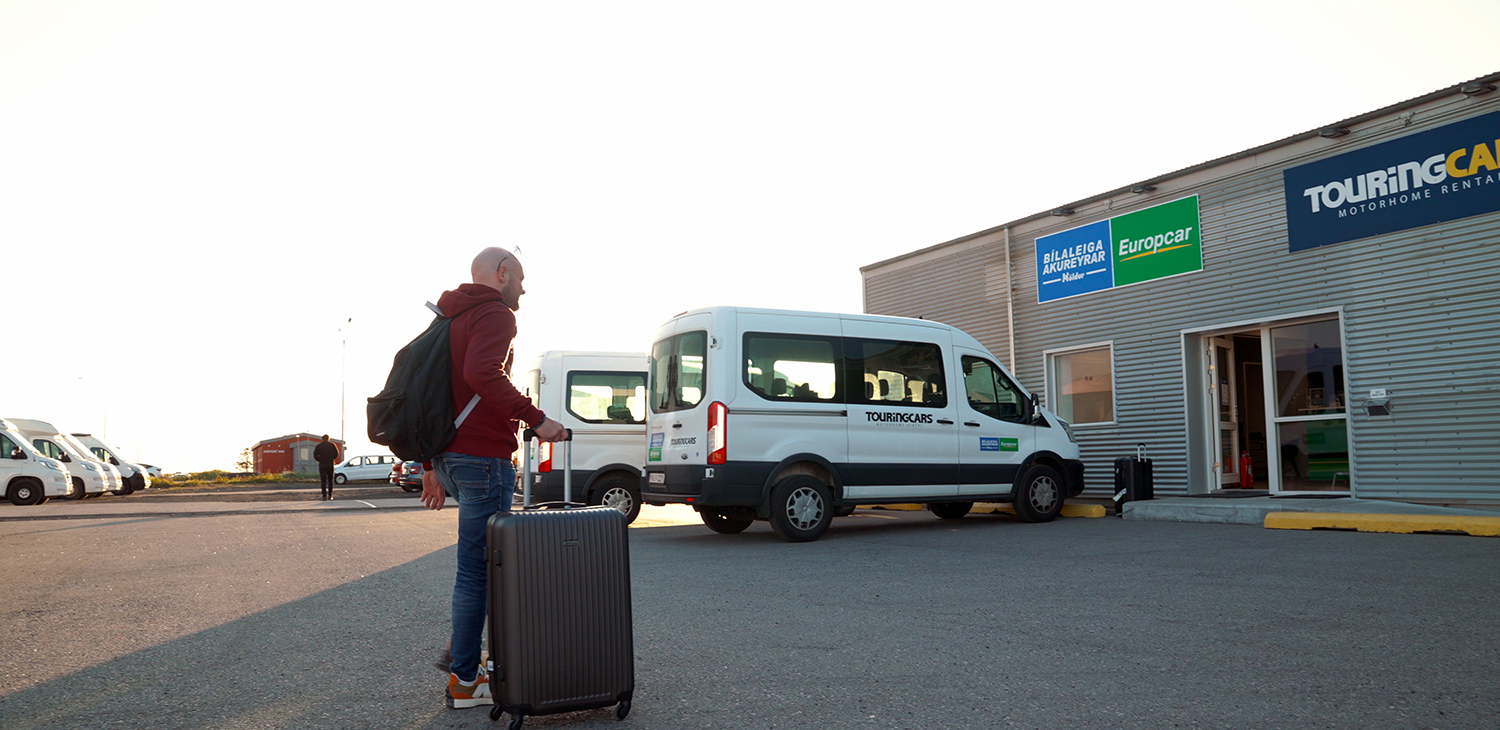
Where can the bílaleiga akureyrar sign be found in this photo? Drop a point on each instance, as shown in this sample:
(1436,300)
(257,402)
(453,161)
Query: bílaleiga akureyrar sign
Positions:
(1149,244)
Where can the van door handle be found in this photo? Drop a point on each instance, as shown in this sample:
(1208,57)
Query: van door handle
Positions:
(945,421)
(678,425)
(971,423)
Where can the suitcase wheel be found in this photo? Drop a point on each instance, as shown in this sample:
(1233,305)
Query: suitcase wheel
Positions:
(622,710)
(515,721)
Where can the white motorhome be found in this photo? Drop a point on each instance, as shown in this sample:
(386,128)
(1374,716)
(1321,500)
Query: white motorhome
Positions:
(28,477)
(602,397)
(134,475)
(794,417)
(90,478)
(114,479)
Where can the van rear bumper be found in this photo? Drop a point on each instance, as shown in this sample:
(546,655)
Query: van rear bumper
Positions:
(737,484)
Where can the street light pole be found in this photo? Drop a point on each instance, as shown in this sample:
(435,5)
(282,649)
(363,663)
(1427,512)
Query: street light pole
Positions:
(343,370)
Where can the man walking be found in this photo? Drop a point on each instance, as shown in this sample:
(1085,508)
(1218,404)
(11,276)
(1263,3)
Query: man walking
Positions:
(476,467)
(326,454)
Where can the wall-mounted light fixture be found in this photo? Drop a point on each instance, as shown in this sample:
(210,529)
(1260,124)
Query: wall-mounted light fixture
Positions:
(1059,212)
(1142,189)
(1333,132)
(1476,88)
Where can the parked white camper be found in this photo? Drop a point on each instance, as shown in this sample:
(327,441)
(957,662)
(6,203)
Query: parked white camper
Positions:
(90,478)
(601,396)
(135,475)
(26,476)
(794,417)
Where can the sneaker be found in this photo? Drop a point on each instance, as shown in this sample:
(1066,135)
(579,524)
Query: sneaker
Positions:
(473,694)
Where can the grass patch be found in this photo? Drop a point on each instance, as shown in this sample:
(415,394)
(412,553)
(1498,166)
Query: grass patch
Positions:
(220,478)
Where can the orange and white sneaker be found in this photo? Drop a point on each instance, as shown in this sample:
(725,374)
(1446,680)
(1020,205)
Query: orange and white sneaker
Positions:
(473,694)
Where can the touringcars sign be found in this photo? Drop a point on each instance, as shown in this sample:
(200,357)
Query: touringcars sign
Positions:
(1439,175)
(1157,242)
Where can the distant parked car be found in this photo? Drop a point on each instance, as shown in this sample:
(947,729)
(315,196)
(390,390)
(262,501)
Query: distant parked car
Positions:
(364,467)
(154,471)
(410,478)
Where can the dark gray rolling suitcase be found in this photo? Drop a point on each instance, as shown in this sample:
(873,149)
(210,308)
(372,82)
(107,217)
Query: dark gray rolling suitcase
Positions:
(1132,479)
(561,637)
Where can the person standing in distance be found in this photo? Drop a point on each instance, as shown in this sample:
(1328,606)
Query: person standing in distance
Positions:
(326,454)
(476,466)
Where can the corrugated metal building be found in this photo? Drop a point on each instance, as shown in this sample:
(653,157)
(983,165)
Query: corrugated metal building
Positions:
(1362,260)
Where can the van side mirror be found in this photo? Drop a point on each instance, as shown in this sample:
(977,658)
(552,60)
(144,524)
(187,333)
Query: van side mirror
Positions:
(17,454)
(1032,406)
(64,458)
(114,461)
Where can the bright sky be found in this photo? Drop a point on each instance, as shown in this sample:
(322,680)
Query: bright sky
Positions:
(196,196)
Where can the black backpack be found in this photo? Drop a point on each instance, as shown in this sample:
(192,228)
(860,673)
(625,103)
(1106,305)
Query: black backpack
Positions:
(413,415)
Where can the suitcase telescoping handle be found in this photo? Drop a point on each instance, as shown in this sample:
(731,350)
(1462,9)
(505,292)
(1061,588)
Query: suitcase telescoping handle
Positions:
(526,438)
(1140,451)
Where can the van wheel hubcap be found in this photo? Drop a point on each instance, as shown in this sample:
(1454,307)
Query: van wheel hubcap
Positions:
(617,499)
(804,508)
(1043,494)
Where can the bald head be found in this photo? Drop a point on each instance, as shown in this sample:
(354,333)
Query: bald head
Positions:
(500,270)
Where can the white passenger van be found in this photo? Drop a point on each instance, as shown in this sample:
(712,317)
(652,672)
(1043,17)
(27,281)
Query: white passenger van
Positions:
(795,417)
(27,476)
(134,475)
(602,397)
(90,479)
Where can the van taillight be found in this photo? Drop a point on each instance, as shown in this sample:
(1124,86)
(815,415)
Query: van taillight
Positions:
(544,457)
(718,435)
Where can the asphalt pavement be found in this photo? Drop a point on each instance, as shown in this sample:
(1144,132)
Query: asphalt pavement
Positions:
(329,617)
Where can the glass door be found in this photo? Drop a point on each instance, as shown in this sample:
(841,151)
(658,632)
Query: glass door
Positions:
(1223,392)
(1310,421)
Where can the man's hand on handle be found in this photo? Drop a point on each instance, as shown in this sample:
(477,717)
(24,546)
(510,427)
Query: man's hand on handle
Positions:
(432,490)
(550,430)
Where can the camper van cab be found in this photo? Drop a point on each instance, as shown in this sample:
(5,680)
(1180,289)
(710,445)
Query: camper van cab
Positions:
(28,477)
(795,417)
(89,477)
(134,475)
(114,479)
(602,397)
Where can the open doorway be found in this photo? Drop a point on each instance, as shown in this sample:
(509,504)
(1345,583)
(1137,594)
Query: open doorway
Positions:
(1280,429)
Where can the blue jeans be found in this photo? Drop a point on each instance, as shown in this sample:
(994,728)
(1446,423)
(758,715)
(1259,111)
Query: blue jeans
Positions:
(483,486)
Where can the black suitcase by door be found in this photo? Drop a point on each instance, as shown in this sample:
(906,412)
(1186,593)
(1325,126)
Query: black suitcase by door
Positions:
(561,637)
(1132,479)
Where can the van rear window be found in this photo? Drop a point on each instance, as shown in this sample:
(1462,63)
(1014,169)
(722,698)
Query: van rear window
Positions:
(678,371)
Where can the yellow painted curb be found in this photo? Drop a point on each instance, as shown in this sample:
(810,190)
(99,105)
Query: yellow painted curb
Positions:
(1478,526)
(984,508)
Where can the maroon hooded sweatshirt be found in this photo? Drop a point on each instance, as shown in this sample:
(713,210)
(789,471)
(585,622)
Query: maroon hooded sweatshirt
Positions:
(479,338)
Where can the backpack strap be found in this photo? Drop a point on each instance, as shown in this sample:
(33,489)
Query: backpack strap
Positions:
(472,401)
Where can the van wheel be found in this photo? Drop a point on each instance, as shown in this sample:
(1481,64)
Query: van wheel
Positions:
(78,492)
(724,524)
(25,493)
(950,510)
(1039,496)
(619,494)
(340,479)
(801,509)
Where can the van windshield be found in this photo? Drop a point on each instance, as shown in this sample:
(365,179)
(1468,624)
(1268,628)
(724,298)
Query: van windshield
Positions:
(678,371)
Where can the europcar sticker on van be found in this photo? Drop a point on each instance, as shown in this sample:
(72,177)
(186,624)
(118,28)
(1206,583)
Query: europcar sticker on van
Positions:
(654,454)
(999,444)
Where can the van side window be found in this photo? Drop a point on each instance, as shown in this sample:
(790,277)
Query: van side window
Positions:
(989,390)
(607,397)
(6,446)
(49,449)
(793,367)
(897,373)
(678,371)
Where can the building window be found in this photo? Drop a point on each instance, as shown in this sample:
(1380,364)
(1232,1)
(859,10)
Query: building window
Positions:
(1081,384)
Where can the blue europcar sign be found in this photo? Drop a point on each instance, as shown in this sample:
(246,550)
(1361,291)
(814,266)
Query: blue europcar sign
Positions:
(1430,177)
